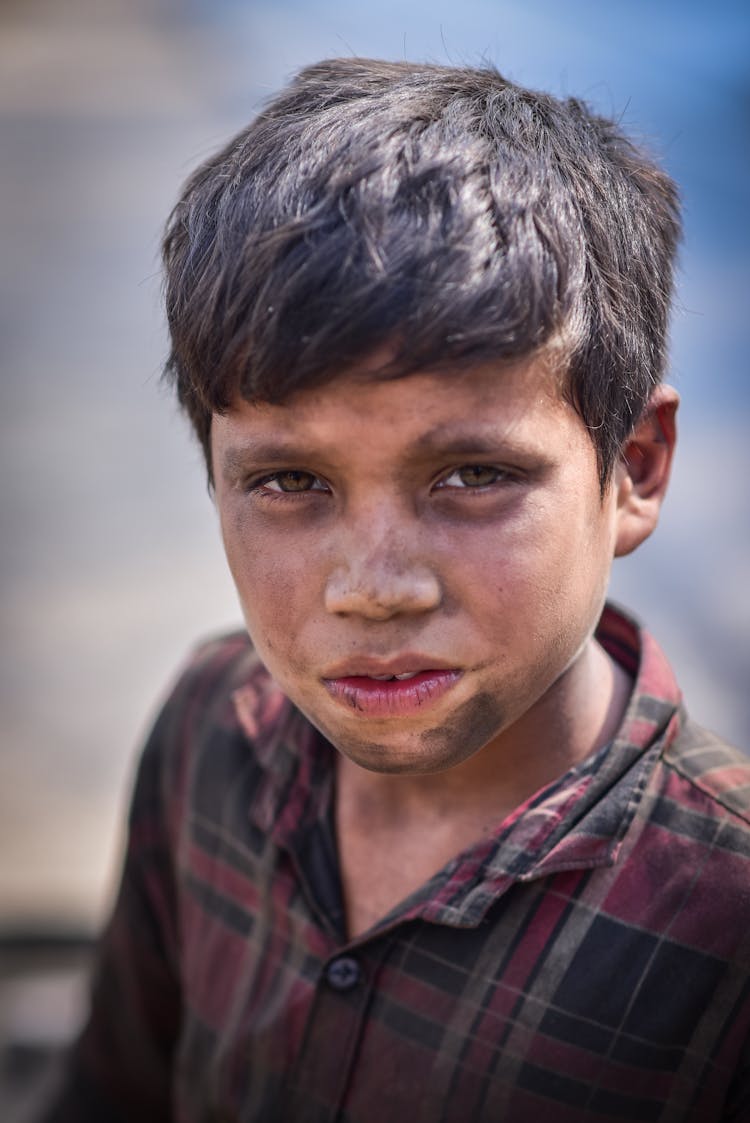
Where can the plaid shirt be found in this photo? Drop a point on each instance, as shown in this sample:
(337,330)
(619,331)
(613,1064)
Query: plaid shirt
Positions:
(590,961)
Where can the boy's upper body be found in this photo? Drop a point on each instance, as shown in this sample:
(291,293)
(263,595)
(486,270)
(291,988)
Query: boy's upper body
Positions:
(432,847)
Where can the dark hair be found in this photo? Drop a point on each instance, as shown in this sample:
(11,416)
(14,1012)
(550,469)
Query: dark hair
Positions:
(446,212)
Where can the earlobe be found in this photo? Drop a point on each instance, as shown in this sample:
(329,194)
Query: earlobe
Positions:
(642,474)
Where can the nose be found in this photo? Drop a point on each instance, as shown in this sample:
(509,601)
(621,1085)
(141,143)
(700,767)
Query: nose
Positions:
(381,580)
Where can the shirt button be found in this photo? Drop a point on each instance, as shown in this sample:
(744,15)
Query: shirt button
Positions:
(343,973)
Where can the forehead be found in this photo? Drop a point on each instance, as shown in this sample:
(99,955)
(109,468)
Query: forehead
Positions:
(358,414)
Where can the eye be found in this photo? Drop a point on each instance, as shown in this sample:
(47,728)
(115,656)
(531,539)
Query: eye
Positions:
(291,481)
(474,476)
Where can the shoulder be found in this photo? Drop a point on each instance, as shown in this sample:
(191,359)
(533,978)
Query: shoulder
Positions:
(694,821)
(687,855)
(202,691)
(715,770)
(219,663)
(215,718)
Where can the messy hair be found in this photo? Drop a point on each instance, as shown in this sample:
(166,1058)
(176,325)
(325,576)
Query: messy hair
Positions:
(444,212)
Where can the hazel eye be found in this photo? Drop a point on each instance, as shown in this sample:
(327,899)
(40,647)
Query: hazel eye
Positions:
(292,481)
(473,476)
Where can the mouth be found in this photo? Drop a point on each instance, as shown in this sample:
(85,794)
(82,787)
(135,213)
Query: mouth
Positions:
(405,665)
(399,693)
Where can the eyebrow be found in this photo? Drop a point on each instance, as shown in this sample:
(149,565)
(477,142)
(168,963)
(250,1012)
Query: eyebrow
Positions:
(235,458)
(449,441)
(443,439)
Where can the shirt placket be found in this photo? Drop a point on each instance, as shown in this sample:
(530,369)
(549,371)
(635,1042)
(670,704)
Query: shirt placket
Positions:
(317,1085)
(337,1020)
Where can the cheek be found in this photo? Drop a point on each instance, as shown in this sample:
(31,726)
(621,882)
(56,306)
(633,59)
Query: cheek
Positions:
(516,558)
(274,583)
(529,577)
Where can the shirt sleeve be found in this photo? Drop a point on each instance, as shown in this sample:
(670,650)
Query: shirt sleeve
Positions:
(120,1068)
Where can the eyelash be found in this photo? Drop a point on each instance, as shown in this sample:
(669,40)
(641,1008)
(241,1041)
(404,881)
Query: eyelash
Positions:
(261,486)
(274,477)
(501,475)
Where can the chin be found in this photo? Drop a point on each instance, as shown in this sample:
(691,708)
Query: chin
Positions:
(387,760)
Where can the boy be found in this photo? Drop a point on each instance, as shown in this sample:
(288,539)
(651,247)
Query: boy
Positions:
(442,844)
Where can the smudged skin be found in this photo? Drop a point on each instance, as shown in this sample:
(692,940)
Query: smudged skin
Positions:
(448,521)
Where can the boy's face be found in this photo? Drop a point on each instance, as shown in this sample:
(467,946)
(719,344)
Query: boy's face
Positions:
(448,527)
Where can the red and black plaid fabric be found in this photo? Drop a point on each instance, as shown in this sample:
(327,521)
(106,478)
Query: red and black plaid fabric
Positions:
(590,961)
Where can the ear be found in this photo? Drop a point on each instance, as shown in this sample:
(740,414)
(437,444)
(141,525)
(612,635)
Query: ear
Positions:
(642,474)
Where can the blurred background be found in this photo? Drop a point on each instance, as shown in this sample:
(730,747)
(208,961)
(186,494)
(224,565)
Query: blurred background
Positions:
(110,557)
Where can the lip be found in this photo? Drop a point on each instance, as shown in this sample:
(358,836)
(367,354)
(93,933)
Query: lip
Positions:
(394,698)
(366,666)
